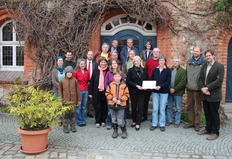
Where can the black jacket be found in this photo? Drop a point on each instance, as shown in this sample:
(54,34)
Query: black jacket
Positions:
(135,77)
(213,81)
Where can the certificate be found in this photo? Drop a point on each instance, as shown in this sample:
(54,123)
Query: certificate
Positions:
(149,84)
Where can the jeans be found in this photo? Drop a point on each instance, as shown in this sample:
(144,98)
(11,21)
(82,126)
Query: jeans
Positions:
(171,100)
(159,103)
(108,119)
(81,109)
(118,117)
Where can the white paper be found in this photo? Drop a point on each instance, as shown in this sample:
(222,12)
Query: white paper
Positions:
(149,84)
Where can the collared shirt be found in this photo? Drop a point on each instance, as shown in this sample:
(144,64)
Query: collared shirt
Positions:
(91,67)
(207,70)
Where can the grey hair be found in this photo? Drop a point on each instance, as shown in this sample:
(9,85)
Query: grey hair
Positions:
(78,63)
(129,40)
(163,57)
(156,48)
(176,58)
(138,58)
(105,43)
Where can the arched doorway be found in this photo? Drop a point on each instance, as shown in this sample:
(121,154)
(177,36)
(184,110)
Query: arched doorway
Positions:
(229,74)
(122,27)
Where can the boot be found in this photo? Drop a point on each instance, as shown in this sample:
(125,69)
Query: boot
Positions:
(124,133)
(115,133)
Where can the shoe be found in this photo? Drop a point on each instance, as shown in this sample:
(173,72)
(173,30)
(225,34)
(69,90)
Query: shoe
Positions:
(66,130)
(74,129)
(186,126)
(90,115)
(124,132)
(103,124)
(97,125)
(212,137)
(133,125)
(203,132)
(162,128)
(168,124)
(137,127)
(176,125)
(81,125)
(115,133)
(152,128)
(109,127)
(197,128)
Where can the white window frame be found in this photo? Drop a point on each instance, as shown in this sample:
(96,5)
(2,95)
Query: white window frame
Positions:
(127,26)
(12,43)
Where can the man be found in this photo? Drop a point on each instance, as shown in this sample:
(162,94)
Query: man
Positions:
(177,89)
(210,82)
(90,65)
(126,49)
(104,52)
(151,64)
(114,56)
(194,105)
(68,60)
(114,47)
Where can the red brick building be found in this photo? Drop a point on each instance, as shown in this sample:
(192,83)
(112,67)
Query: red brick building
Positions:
(118,25)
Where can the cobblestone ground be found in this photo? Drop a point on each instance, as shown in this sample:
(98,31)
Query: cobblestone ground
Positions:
(96,143)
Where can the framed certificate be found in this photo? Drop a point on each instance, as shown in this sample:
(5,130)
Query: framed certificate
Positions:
(149,84)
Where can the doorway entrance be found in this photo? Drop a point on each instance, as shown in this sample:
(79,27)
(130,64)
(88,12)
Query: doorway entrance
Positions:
(229,74)
(122,27)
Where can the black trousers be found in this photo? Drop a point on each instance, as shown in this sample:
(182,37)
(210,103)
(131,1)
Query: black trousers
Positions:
(146,103)
(212,116)
(100,112)
(137,102)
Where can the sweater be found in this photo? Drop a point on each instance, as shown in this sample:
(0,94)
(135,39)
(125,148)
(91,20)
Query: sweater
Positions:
(82,78)
(151,64)
(162,79)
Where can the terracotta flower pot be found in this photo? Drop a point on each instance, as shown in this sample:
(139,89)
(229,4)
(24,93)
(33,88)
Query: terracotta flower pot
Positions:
(34,142)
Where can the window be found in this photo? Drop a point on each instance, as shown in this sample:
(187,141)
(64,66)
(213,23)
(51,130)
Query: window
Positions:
(12,47)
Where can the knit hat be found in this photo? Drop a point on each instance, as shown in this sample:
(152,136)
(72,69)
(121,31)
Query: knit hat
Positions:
(59,57)
(68,69)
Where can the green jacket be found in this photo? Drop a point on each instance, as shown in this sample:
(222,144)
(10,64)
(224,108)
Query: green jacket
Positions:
(180,81)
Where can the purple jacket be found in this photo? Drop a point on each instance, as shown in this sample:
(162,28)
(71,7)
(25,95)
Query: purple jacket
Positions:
(110,78)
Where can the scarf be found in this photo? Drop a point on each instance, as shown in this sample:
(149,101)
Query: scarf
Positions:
(60,69)
(101,79)
(139,71)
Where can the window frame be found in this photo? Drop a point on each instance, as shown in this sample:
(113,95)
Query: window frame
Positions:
(14,43)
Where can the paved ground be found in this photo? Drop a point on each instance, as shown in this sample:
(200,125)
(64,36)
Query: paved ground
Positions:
(96,143)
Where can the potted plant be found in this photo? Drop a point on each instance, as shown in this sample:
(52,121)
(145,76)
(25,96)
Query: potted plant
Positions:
(36,110)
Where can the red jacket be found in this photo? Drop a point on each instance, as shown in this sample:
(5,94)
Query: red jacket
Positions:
(82,78)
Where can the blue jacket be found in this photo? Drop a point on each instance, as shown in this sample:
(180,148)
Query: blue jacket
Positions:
(124,53)
(162,79)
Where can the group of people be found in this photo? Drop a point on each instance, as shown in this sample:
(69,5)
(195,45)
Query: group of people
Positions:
(111,77)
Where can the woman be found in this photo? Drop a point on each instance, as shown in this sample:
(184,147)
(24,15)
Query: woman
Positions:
(114,67)
(135,77)
(97,92)
(57,75)
(147,52)
(162,76)
(82,76)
